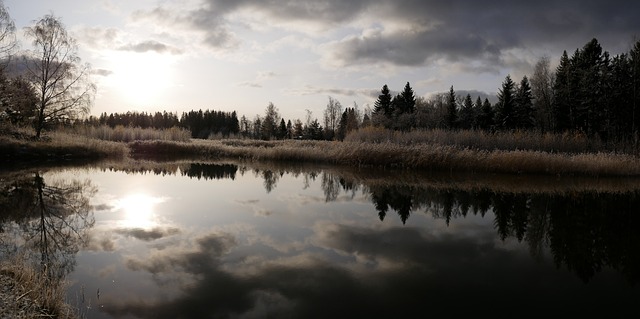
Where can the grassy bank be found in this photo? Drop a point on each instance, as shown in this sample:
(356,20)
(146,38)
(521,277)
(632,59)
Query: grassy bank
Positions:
(423,156)
(436,150)
(19,146)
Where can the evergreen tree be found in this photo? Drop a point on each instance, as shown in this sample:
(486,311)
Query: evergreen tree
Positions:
(524,111)
(382,106)
(505,118)
(634,61)
(408,99)
(486,115)
(451,118)
(590,64)
(467,113)
(562,101)
(282,130)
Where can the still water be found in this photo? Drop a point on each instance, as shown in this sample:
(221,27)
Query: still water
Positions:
(238,240)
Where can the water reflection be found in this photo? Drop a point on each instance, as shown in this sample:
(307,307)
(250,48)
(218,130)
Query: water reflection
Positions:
(586,229)
(350,243)
(46,221)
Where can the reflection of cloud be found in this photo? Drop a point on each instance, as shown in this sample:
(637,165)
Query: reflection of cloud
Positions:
(103,207)
(425,270)
(102,72)
(107,271)
(148,234)
(100,244)
(248,201)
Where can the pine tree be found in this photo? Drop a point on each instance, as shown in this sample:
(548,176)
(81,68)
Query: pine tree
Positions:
(634,61)
(467,113)
(485,118)
(408,98)
(451,118)
(562,96)
(524,111)
(504,117)
(382,106)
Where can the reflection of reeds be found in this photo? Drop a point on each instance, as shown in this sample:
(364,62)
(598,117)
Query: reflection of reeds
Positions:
(34,293)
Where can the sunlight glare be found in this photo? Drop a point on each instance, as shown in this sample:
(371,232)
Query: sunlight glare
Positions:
(139,210)
(140,77)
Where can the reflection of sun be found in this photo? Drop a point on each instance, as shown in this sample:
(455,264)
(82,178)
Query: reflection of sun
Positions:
(140,77)
(138,210)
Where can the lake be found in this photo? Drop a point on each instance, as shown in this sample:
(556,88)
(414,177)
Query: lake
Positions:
(258,240)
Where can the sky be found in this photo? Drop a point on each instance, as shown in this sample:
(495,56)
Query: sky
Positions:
(241,55)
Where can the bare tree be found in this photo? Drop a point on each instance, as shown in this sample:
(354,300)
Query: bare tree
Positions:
(60,79)
(7,36)
(332,117)
(542,89)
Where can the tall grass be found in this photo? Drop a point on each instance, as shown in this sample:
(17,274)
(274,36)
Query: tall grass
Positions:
(59,146)
(37,294)
(481,140)
(433,157)
(130,134)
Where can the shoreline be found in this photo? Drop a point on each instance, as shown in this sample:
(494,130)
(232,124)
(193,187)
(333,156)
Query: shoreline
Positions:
(420,155)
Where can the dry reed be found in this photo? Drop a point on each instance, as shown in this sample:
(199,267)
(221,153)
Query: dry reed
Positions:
(46,295)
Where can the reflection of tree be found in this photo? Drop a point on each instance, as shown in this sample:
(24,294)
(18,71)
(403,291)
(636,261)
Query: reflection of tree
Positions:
(211,171)
(52,218)
(398,198)
(585,231)
(270,180)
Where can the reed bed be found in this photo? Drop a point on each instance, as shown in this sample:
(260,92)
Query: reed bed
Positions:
(434,150)
(432,157)
(59,146)
(130,134)
(481,140)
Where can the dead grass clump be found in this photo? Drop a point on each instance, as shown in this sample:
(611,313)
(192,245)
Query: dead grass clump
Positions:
(36,295)
(59,146)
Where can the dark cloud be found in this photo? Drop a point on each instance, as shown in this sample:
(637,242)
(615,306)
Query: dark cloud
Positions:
(148,234)
(150,45)
(418,32)
(443,274)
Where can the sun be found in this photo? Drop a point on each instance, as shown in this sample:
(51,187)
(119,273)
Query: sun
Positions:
(140,78)
(139,210)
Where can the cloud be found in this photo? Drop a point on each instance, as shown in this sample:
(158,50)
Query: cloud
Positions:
(150,45)
(148,234)
(314,90)
(97,37)
(409,33)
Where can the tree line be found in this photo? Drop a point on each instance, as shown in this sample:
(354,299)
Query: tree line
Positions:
(589,93)
(201,124)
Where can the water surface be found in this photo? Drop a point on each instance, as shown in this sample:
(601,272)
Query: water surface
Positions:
(237,240)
